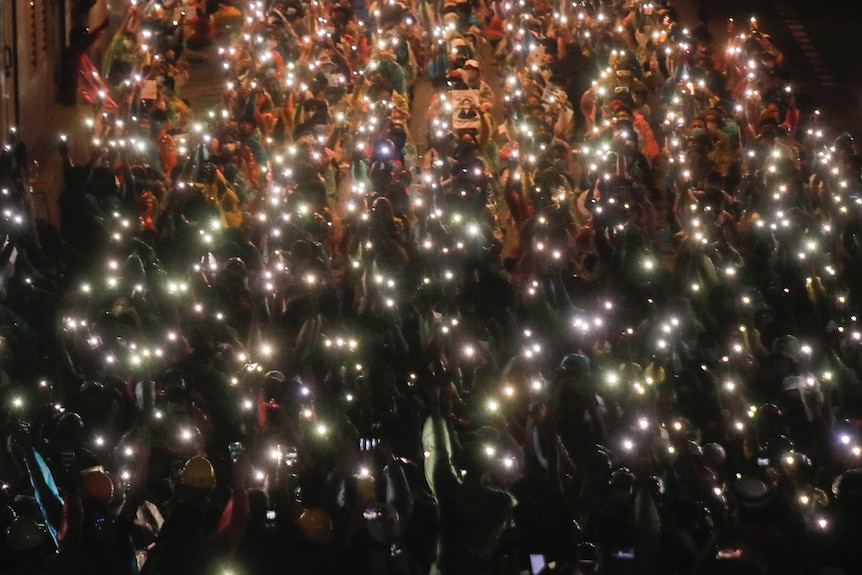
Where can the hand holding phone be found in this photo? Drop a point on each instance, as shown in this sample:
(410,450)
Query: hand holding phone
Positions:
(537,564)
(288,453)
(235,450)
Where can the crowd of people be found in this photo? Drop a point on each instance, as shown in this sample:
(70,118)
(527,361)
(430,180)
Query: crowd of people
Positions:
(597,315)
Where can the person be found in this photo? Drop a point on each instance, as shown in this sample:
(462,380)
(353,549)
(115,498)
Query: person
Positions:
(201,26)
(80,78)
(473,515)
(472,78)
(192,538)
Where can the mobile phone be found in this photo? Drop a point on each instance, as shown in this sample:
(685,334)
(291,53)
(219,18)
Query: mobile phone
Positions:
(288,453)
(537,564)
(270,518)
(235,450)
(763,461)
(626,554)
(126,480)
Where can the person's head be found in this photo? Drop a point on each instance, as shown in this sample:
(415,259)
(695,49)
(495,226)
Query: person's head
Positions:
(468,143)
(537,111)
(69,431)
(25,536)
(229,144)
(258,504)
(246,127)
(624,132)
(712,121)
(398,135)
(639,96)
(704,46)
(713,181)
(772,110)
(475,458)
(769,60)
(381,210)
(198,474)
(316,525)
(471,72)
(96,485)
(129,40)
(103,185)
(559,153)
(623,113)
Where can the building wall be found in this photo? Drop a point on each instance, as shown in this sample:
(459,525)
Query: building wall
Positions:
(41,34)
(8,91)
(38,46)
(36,33)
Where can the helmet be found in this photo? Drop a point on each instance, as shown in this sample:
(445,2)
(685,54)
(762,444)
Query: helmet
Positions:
(8,515)
(600,461)
(25,534)
(382,522)
(769,420)
(96,484)
(273,383)
(714,454)
(235,267)
(69,430)
(750,492)
(316,525)
(654,373)
(788,346)
(171,380)
(622,479)
(847,488)
(845,142)
(693,518)
(198,472)
(779,446)
(574,365)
